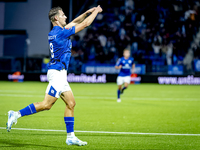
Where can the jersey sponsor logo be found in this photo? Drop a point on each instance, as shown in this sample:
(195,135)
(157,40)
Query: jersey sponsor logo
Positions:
(52,37)
(126,66)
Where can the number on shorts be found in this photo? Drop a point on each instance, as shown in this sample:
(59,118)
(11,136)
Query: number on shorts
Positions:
(51,50)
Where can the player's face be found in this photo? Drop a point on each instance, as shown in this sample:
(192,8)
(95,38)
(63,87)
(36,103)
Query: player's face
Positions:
(62,18)
(127,54)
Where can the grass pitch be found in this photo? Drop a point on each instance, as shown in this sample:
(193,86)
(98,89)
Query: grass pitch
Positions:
(145,109)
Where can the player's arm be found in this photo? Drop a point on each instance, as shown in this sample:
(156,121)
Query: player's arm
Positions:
(118,64)
(88,20)
(118,67)
(133,67)
(80,18)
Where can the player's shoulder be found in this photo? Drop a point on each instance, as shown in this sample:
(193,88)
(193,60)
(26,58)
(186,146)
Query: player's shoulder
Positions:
(69,28)
(131,58)
(55,30)
(118,61)
(53,34)
(121,58)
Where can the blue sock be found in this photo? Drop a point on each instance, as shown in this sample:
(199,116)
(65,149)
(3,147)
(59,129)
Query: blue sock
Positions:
(69,121)
(28,110)
(118,94)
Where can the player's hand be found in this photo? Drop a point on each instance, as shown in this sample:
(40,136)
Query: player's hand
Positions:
(120,66)
(99,9)
(91,10)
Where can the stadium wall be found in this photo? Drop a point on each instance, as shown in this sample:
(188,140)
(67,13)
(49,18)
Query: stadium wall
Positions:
(2,11)
(31,16)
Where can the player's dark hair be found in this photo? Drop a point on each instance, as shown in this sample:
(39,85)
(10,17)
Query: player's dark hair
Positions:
(54,11)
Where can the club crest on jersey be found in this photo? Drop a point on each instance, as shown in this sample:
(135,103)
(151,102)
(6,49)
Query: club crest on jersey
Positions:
(129,61)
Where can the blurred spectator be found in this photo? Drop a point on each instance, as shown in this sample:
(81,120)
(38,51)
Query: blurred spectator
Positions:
(169,53)
(188,60)
(103,40)
(164,28)
(156,47)
(122,41)
(129,4)
(196,50)
(76,43)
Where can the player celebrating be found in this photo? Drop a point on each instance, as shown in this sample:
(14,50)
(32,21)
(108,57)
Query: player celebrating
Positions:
(125,64)
(60,48)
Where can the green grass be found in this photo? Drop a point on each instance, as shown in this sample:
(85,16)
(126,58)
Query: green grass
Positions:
(145,108)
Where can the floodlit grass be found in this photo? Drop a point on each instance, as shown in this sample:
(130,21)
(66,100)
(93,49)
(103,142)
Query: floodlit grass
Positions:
(145,108)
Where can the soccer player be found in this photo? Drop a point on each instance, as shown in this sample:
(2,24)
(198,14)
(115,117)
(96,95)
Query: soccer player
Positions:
(126,65)
(60,48)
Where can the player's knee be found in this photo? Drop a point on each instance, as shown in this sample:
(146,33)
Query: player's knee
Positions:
(71,105)
(126,85)
(47,106)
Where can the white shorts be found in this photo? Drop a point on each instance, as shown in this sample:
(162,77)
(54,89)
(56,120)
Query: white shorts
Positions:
(57,82)
(121,80)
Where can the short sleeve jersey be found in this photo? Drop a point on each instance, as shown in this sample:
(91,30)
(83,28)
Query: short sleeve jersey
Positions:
(126,66)
(60,47)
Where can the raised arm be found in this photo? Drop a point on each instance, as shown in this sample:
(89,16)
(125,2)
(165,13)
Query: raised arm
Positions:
(88,20)
(80,18)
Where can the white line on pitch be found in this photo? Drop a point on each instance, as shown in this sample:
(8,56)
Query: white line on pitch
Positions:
(112,98)
(142,98)
(17,91)
(20,95)
(106,132)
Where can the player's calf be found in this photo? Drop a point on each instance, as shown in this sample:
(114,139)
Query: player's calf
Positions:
(43,106)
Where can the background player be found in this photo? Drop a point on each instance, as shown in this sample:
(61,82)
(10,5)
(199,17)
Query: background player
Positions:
(60,47)
(126,65)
